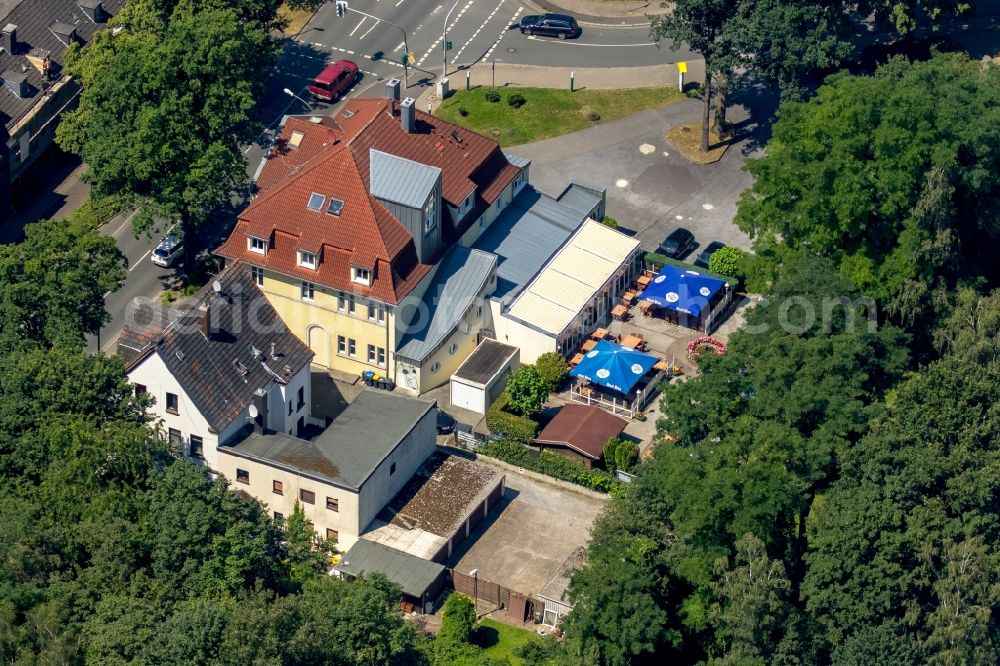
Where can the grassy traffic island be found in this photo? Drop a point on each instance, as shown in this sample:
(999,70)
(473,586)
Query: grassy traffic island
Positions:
(514,116)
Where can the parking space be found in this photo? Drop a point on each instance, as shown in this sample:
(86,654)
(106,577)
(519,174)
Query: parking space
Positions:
(537,528)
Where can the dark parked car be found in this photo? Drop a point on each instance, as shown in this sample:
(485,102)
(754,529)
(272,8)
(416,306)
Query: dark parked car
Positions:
(677,244)
(550,25)
(335,80)
(707,253)
(445,423)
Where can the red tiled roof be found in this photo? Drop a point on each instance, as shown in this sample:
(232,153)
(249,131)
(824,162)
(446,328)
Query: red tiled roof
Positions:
(332,160)
(584,428)
(286,160)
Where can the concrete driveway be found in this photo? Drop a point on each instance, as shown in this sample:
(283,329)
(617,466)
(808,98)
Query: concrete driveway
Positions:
(538,526)
(651,188)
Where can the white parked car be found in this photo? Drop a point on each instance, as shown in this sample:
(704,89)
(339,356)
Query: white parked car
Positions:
(168,251)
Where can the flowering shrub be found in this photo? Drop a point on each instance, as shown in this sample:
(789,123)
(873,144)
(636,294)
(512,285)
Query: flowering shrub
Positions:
(704,343)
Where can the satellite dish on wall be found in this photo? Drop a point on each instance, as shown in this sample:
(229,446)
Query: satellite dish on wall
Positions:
(217,286)
(252,410)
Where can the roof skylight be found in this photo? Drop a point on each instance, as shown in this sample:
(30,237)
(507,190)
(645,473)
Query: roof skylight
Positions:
(316,201)
(335,206)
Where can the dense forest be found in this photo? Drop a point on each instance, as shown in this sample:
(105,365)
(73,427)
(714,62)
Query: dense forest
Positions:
(828,493)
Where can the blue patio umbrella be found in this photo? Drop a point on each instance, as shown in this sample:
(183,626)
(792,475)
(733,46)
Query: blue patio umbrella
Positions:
(614,366)
(682,290)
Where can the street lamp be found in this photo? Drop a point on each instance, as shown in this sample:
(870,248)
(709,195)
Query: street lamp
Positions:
(291,94)
(444,42)
(475,589)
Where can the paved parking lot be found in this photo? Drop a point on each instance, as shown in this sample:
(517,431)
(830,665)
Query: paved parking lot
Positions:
(537,528)
(651,188)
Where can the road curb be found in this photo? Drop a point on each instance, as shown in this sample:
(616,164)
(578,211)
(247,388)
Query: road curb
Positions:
(587,20)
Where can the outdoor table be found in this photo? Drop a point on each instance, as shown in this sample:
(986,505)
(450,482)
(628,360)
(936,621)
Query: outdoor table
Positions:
(631,341)
(628,296)
(576,359)
(618,312)
(660,365)
(643,281)
(600,334)
(647,308)
(589,344)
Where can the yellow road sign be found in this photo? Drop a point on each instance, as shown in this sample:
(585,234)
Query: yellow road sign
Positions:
(682,67)
(411,58)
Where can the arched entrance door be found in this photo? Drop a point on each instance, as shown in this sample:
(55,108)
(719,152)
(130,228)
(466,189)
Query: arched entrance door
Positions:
(319,343)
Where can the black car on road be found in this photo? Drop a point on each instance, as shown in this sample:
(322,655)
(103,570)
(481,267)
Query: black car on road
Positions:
(677,244)
(707,253)
(550,25)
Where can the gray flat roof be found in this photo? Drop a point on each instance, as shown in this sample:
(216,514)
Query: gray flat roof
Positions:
(526,235)
(412,574)
(347,452)
(400,180)
(460,276)
(489,358)
(517,160)
(555,588)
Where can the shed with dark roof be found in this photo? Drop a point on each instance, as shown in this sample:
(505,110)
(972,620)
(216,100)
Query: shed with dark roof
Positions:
(419,580)
(482,377)
(580,432)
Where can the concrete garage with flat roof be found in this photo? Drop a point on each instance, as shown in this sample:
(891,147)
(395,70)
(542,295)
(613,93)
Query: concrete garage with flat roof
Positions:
(438,508)
(483,376)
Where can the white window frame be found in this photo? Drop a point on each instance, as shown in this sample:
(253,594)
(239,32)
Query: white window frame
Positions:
(380,359)
(361,275)
(371,354)
(257,275)
(430,221)
(352,347)
(380,313)
(341,345)
(308,291)
(351,303)
(371,311)
(342,301)
(308,259)
(253,241)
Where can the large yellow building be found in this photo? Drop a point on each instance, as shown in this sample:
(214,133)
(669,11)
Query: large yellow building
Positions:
(355,237)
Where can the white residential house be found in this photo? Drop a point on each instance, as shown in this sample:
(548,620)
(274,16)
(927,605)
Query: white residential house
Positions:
(220,365)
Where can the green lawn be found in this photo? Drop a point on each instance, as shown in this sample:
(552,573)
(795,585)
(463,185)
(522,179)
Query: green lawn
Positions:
(546,112)
(500,640)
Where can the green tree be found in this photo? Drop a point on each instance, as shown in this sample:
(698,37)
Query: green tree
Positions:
(308,554)
(920,479)
(889,643)
(527,390)
(752,603)
(458,620)
(553,369)
(626,455)
(904,218)
(52,285)
(727,261)
(164,111)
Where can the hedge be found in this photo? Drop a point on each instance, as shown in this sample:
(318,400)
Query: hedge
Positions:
(512,426)
(656,262)
(551,464)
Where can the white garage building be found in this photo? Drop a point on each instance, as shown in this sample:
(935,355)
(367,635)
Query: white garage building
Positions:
(483,376)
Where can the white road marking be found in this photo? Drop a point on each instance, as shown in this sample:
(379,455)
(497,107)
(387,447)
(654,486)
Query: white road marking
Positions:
(437,41)
(678,217)
(707,206)
(647,149)
(476,33)
(135,265)
(369,30)
(503,33)
(621,182)
(360,23)
(121,227)
(399,3)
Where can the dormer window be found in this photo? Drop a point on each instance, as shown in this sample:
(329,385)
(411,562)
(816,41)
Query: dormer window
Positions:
(361,275)
(429,220)
(307,259)
(316,201)
(258,245)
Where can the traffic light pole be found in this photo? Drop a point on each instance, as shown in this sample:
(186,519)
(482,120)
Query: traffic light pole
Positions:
(343,7)
(444,42)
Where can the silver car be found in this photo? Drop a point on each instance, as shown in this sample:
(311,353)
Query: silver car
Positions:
(168,251)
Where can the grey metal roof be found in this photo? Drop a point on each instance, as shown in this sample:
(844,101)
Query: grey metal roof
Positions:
(400,180)
(517,160)
(413,574)
(581,198)
(555,588)
(347,452)
(33,19)
(525,237)
(489,358)
(461,275)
